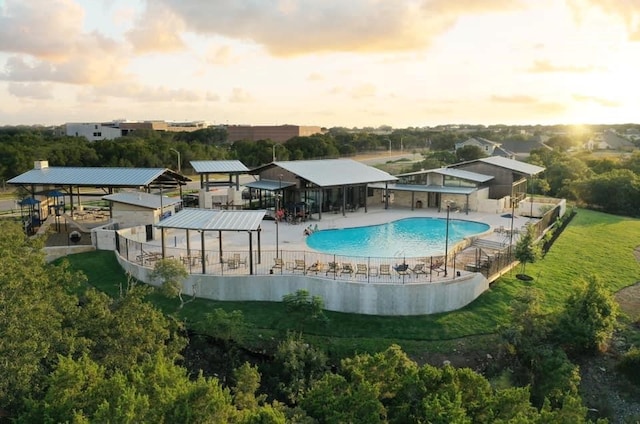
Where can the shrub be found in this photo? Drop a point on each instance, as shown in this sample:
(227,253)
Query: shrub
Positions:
(588,321)
(629,365)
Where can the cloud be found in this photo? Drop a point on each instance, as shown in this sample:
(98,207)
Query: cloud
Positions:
(598,100)
(514,99)
(159,30)
(221,55)
(315,76)
(626,10)
(531,103)
(297,27)
(35,91)
(143,93)
(239,95)
(47,44)
(544,66)
(363,90)
(79,71)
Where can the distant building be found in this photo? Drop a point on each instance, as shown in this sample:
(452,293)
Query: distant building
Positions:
(277,133)
(488,147)
(94,131)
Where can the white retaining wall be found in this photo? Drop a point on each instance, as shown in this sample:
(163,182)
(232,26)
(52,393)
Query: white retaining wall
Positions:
(341,296)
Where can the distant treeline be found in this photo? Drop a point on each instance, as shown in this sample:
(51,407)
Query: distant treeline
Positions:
(609,183)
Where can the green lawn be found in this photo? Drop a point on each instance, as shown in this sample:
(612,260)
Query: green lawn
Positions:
(594,243)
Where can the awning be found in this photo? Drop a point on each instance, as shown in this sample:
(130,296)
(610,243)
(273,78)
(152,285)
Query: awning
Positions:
(270,185)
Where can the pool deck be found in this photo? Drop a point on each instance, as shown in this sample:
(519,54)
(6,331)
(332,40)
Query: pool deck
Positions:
(291,236)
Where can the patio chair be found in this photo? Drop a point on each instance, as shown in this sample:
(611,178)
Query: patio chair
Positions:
(232,264)
(419,269)
(347,268)
(238,260)
(437,267)
(361,269)
(385,269)
(279,264)
(315,267)
(402,269)
(334,268)
(299,266)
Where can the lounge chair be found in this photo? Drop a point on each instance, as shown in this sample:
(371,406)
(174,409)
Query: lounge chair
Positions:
(346,268)
(299,266)
(403,269)
(334,268)
(385,269)
(232,264)
(316,267)
(279,264)
(437,267)
(239,261)
(361,269)
(419,269)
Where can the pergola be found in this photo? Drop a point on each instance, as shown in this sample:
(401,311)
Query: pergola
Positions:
(203,220)
(232,168)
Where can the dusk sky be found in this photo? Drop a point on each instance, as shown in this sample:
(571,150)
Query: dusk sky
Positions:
(331,63)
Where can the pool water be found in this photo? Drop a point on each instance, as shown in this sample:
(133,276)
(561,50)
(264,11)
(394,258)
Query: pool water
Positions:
(410,237)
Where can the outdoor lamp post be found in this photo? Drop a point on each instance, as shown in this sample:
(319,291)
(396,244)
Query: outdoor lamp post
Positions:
(277,214)
(176,151)
(446,240)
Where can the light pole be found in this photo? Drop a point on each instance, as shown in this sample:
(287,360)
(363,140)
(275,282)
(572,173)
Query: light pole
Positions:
(446,241)
(278,213)
(176,151)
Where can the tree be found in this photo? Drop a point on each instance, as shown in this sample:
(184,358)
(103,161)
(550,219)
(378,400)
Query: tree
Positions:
(467,153)
(300,365)
(304,307)
(588,321)
(527,249)
(171,273)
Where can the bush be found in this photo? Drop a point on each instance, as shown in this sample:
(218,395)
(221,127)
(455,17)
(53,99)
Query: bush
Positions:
(629,365)
(588,321)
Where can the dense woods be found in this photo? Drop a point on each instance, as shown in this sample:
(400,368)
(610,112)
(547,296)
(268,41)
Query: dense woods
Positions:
(607,183)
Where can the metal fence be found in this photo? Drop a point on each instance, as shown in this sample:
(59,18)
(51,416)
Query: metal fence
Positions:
(398,270)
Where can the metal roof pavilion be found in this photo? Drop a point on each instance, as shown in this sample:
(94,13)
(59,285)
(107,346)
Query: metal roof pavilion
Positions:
(214,220)
(218,166)
(98,177)
(334,172)
(204,220)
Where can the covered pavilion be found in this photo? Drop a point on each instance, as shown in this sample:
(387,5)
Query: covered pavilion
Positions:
(203,220)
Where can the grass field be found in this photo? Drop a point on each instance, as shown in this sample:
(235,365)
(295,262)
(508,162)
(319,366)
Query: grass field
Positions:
(593,244)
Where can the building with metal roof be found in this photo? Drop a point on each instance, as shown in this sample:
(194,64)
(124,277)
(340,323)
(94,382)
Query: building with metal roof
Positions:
(510,177)
(203,220)
(68,181)
(315,186)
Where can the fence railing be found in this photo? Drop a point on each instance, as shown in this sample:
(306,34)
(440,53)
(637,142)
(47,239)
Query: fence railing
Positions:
(398,269)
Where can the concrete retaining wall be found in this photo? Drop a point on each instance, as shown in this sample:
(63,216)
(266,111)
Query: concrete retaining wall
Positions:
(340,296)
(53,253)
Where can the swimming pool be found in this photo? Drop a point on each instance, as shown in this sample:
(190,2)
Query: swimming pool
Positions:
(409,237)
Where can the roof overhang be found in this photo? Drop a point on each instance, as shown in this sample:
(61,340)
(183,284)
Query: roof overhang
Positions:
(214,220)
